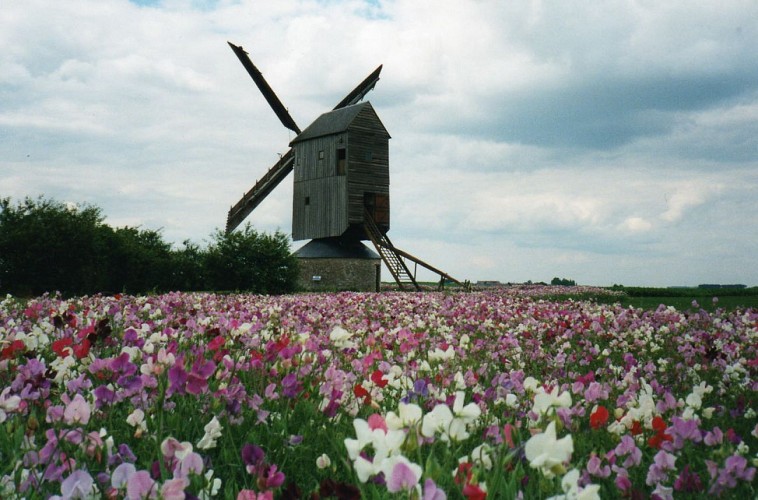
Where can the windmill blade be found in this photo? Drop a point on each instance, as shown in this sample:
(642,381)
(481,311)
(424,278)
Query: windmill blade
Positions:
(258,193)
(363,88)
(265,89)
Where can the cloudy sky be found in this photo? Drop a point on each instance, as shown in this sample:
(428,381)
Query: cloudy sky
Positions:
(606,142)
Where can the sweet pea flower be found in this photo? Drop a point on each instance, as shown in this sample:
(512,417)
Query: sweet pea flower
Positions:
(544,402)
(323,461)
(451,424)
(547,453)
(431,492)
(8,404)
(571,489)
(400,473)
(78,485)
(408,414)
(212,433)
(341,338)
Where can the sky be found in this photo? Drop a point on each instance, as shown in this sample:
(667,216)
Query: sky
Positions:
(609,142)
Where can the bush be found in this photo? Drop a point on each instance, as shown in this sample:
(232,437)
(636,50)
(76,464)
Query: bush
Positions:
(251,261)
(48,246)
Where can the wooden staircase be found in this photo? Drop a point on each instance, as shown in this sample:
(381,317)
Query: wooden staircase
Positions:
(260,190)
(395,259)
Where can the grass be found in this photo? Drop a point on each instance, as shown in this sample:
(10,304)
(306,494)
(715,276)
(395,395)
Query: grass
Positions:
(683,298)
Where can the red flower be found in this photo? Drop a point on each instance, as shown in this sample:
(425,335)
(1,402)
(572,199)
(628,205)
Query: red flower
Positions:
(361,392)
(13,350)
(474,492)
(62,347)
(659,426)
(216,343)
(599,417)
(636,428)
(81,350)
(376,377)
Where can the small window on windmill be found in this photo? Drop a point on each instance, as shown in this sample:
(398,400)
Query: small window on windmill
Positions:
(320,157)
(341,161)
(307,200)
(368,156)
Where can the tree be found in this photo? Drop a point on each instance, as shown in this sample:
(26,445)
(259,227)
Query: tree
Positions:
(562,282)
(47,245)
(251,261)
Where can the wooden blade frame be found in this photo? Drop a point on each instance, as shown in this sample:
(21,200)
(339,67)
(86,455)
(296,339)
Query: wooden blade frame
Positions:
(265,89)
(283,167)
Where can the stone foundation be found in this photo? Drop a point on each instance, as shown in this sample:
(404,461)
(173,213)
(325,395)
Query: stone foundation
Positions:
(338,264)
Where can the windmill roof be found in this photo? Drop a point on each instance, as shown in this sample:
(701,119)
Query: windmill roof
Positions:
(333,122)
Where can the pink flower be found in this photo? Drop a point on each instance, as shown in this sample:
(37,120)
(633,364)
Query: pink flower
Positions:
(173,489)
(431,492)
(252,495)
(376,421)
(77,411)
(141,485)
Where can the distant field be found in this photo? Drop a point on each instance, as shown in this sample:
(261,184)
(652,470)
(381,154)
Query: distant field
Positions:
(682,298)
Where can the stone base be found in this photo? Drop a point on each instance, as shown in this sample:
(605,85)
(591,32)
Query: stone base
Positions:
(333,265)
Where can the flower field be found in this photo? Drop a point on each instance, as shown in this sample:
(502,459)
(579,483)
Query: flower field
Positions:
(498,394)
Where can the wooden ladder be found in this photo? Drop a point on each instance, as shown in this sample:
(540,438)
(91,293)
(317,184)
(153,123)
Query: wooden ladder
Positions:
(394,259)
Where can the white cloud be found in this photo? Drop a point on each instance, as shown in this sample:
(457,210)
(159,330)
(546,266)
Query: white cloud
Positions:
(609,142)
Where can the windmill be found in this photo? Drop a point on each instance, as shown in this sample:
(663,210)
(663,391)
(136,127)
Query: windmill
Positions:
(341,192)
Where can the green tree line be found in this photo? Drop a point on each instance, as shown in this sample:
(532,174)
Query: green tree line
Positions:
(49,246)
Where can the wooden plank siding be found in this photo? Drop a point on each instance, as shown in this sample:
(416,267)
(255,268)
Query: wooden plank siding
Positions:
(327,202)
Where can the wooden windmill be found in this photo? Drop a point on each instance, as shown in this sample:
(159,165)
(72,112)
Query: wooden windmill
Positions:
(341,192)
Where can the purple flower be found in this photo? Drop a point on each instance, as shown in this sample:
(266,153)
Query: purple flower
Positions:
(290,385)
(431,492)
(79,484)
(596,468)
(252,455)
(177,378)
(713,438)
(627,446)
(684,430)
(104,396)
(657,473)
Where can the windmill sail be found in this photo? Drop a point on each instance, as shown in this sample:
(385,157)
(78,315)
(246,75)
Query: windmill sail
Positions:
(276,174)
(265,89)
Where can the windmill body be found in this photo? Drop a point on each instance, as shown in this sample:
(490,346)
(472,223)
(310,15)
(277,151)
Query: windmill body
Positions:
(341,193)
(341,175)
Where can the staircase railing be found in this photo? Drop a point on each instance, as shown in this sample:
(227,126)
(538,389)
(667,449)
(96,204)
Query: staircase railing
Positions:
(394,258)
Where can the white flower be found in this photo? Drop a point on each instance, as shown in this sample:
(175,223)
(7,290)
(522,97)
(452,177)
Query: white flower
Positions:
(341,338)
(531,384)
(480,455)
(212,433)
(323,461)
(570,486)
(8,404)
(451,424)
(409,414)
(544,401)
(547,453)
(385,444)
(439,355)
